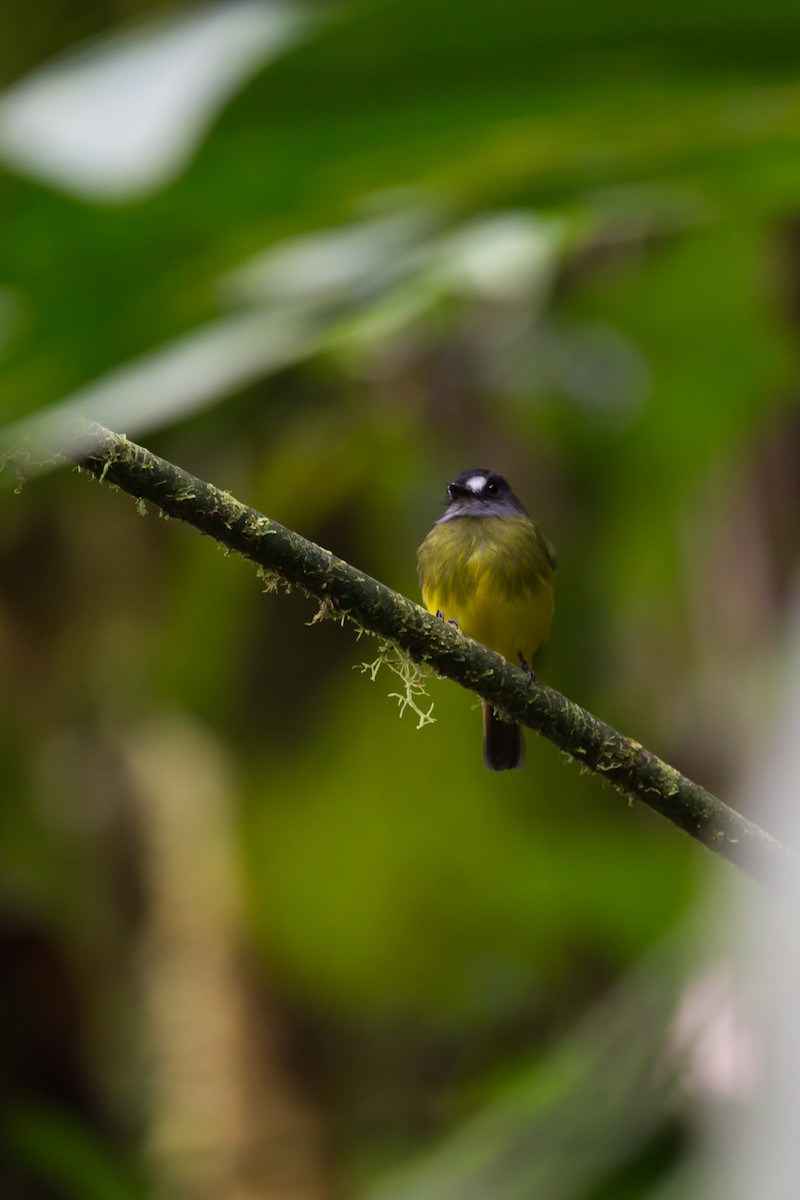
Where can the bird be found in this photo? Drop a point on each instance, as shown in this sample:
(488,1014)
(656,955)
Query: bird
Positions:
(486,567)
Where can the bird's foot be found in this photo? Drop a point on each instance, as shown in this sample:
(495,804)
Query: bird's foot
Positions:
(529,671)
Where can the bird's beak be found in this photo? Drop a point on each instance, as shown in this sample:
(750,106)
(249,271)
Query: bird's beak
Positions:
(454,490)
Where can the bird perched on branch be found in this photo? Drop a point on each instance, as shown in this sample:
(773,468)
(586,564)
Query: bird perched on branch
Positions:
(486,566)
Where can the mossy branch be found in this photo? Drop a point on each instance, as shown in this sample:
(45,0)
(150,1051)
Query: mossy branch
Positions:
(346,591)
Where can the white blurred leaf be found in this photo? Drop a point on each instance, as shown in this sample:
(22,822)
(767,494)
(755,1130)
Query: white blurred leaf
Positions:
(122,117)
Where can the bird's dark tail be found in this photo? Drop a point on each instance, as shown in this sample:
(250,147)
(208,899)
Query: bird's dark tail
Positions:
(503,743)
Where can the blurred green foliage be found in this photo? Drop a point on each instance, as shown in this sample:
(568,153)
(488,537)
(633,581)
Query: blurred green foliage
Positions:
(555,239)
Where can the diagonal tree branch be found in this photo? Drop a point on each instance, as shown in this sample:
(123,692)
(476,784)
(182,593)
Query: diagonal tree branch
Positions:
(630,768)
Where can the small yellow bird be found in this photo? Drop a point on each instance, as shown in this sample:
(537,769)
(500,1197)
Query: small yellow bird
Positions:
(486,566)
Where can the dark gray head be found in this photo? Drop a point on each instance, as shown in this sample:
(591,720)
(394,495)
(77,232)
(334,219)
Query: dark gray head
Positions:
(481,493)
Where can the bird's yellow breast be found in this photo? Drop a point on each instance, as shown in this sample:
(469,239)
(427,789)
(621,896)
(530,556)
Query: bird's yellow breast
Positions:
(494,576)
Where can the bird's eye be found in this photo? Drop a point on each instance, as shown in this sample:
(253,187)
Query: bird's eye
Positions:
(491,488)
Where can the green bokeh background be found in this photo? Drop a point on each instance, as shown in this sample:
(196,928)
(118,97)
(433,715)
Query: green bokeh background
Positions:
(432,933)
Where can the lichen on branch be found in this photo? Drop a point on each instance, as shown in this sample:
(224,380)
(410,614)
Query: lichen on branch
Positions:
(413,678)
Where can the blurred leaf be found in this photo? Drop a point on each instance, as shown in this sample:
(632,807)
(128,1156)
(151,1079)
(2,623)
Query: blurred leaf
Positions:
(58,1151)
(584,1110)
(122,117)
